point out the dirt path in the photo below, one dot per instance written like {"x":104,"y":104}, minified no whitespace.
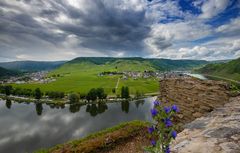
{"x":117,"y":83}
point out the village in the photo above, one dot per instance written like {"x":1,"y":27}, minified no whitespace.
{"x":146,"y":74}
{"x":35,"y":77}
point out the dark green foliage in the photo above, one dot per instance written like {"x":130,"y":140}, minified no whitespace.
{"x":6,"y":73}
{"x":101,"y":94}
{"x":92,"y":95}
{"x":8,"y":89}
{"x":230,"y":69}
{"x":95,"y":94}
{"x":38,"y":93}
{"x":125,"y":92}
{"x":83,"y":96}
{"x":55,"y":94}
{"x":30,"y":66}
{"x":74,"y":98}
{"x":22,"y":92}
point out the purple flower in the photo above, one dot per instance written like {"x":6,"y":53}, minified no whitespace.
{"x":156,"y":103}
{"x":167,"y":109}
{"x":174,"y":134}
{"x":175,"y":108}
{"x":151,"y":129}
{"x":154,"y":112}
{"x":153,"y":142}
{"x":168,"y":122}
{"x":167,"y":149}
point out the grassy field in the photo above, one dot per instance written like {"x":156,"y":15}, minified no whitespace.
{"x":81,"y":77}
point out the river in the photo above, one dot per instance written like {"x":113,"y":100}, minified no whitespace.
{"x":28,"y":127}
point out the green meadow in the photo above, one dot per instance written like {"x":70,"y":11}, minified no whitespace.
{"x":81,"y":77}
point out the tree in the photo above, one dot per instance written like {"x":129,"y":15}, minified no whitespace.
{"x":8,"y":90}
{"x":100,"y":93}
{"x":92,"y":94}
{"x":38,"y":93}
{"x":74,"y":98}
{"x":125,"y":92}
{"x":83,"y":96}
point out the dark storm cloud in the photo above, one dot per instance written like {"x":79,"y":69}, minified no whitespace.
{"x":100,"y":26}
{"x":108,"y":28}
{"x":60,"y":28}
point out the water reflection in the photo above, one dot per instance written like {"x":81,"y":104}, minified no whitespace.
{"x":29,"y":127}
{"x":92,"y":109}
{"x":8,"y":103}
{"x":125,"y":106}
{"x":139,"y":102}
{"x":95,"y":109}
{"x":39,"y":108}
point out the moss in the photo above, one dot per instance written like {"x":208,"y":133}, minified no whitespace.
{"x":100,"y":140}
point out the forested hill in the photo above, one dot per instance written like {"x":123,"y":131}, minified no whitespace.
{"x":5,"y":73}
{"x":31,"y":66}
{"x":159,"y":64}
{"x":229,"y":70}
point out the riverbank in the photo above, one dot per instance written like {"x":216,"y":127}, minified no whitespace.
{"x":105,"y":140}
{"x":65,"y":101}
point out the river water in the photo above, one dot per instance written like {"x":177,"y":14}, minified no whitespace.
{"x":28,"y":127}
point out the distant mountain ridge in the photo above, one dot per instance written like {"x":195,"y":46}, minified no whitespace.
{"x":133,"y":62}
{"x":5,"y":73}
{"x":229,"y":69}
{"x":31,"y":66}
{"x":159,"y":64}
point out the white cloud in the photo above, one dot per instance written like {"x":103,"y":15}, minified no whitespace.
{"x":56,"y":30}
{"x":233,"y":26}
{"x":212,"y":8}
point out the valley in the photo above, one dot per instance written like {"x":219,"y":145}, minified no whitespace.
{"x":82,"y":74}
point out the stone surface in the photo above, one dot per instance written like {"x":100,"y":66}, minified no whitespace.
{"x":193,"y":96}
{"x":217,"y":132}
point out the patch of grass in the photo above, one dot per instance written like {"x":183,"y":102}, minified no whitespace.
{"x":100,"y":140}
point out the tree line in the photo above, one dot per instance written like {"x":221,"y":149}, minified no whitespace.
{"x":93,"y":94}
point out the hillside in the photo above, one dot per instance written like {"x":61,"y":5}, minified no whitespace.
{"x":158,"y":64}
{"x":5,"y":73}
{"x":229,"y":70}
{"x":83,"y":73}
{"x":31,"y":66}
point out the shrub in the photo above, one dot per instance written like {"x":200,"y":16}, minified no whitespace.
{"x":162,"y":130}
{"x":55,"y":94}
{"x":74,"y":98}
{"x":92,"y":95}
{"x":38,"y":93}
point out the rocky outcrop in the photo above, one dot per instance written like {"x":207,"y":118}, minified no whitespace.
{"x":194,"y":97}
{"x":218,"y":132}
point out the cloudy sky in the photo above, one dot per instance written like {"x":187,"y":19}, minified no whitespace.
{"x":65,"y":29}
